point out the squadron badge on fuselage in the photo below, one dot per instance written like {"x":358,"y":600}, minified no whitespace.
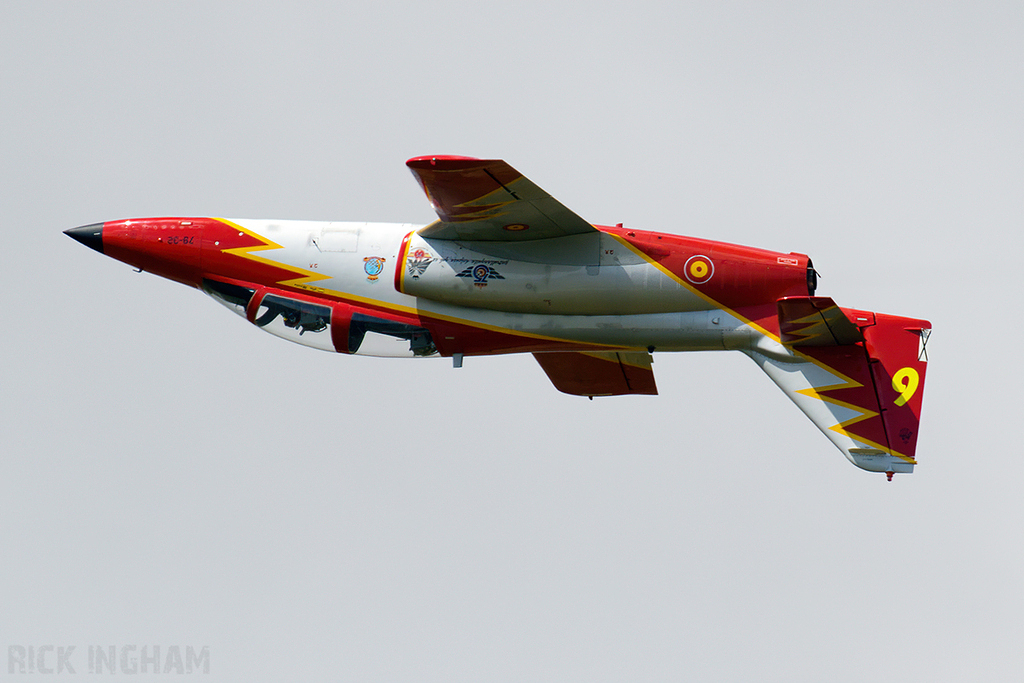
{"x":481,"y":273}
{"x":418,"y":261}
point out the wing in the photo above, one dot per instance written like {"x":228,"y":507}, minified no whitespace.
{"x":487,"y":200}
{"x":599,"y":374}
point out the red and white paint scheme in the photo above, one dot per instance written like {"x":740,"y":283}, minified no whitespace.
{"x":508,"y":269}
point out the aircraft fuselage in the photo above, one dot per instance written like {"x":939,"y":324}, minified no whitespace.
{"x":617,"y":288}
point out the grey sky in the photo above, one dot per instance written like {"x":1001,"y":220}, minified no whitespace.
{"x":172,"y":476}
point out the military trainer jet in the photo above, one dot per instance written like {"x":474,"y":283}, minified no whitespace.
{"x":508,"y":269}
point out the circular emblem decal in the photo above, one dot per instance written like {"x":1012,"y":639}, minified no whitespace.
{"x":373,"y":265}
{"x":516,"y":227}
{"x":698,"y":269}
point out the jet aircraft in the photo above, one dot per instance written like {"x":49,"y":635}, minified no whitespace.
{"x":506,"y":268}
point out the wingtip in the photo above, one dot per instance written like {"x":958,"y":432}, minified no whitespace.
{"x":433,"y":159}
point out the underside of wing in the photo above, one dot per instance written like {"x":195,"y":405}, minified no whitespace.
{"x":487,"y":200}
{"x":599,"y":374}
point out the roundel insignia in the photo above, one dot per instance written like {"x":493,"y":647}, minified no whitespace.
{"x":698,"y":269}
{"x":516,"y":227}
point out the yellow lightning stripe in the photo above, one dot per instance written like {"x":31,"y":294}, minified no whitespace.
{"x":305,"y":276}
{"x":815,"y":392}
{"x":493,"y":200}
{"x":865,"y":413}
{"x":488,"y":206}
{"x":485,"y":212}
{"x":813,"y":326}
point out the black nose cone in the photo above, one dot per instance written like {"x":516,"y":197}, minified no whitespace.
{"x":89,"y":235}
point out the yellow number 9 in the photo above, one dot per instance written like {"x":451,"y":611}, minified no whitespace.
{"x":905,"y":381}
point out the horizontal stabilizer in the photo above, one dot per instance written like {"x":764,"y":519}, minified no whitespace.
{"x":487,"y":200}
{"x":816,"y":321}
{"x":599,"y":374}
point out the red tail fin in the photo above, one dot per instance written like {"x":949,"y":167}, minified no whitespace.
{"x":859,"y":376}
{"x":898,"y":358}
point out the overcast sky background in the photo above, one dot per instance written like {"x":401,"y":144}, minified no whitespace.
{"x":172,"y":476}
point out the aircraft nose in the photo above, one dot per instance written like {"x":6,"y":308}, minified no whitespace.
{"x":89,"y":235}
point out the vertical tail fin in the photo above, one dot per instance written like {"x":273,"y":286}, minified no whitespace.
{"x":865,"y":395}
